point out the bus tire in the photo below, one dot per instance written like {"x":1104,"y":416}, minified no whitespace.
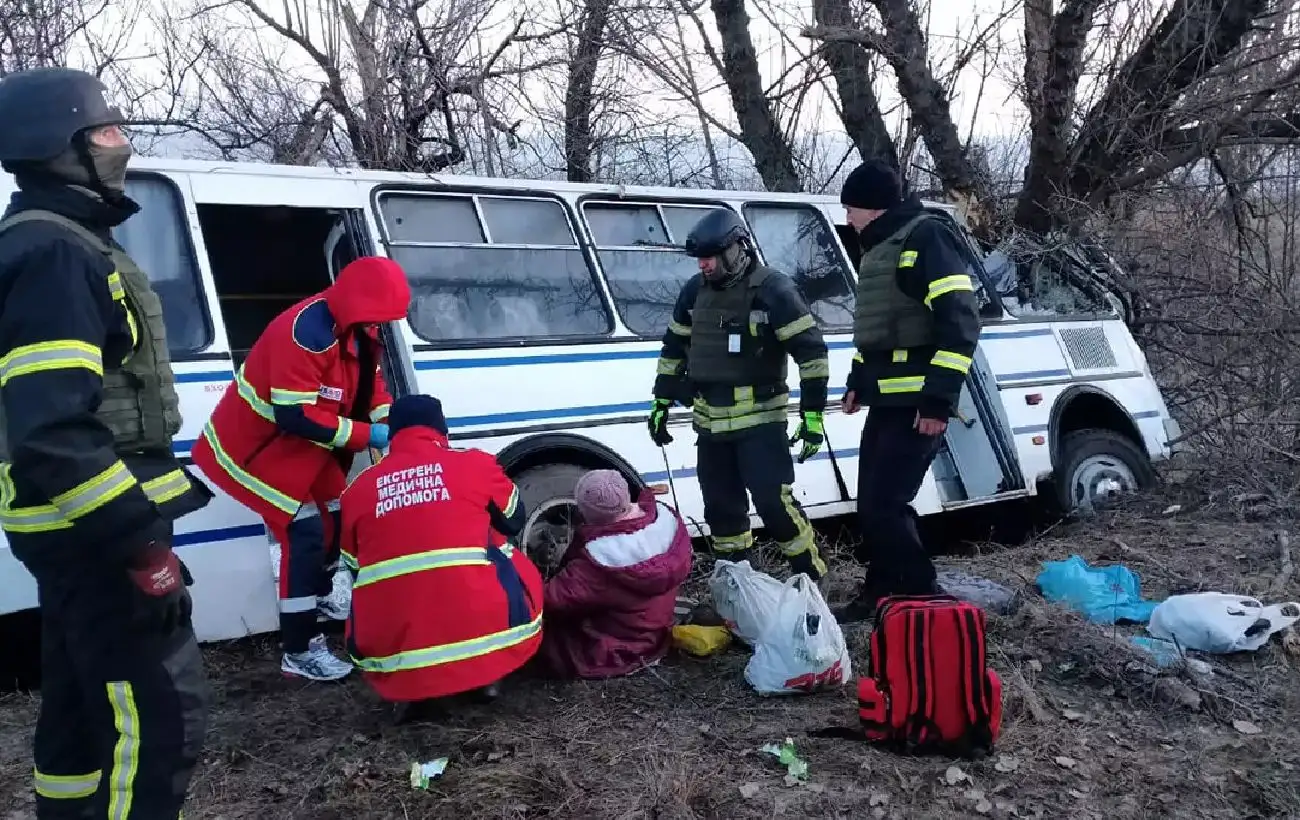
{"x":547,"y":493}
{"x":1098,"y":466}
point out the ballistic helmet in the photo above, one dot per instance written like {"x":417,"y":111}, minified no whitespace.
{"x":717,"y":231}
{"x":42,"y":109}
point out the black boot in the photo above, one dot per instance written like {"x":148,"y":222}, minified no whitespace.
{"x":418,"y":711}
{"x":488,"y":693}
{"x":863,"y":606}
{"x":803,"y":562}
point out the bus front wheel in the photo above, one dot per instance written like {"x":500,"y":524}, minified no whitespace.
{"x":1096,"y":467}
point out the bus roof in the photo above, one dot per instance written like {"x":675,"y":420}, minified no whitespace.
{"x":263,"y":169}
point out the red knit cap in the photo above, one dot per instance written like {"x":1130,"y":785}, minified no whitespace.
{"x":602,"y":496}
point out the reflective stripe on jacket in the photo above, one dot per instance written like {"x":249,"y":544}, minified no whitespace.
{"x":309,"y":359}
{"x":441,"y":603}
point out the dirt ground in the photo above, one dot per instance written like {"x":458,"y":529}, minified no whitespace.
{"x":1090,"y":729}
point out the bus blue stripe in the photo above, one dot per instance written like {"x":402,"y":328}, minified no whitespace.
{"x":206,"y":376}
{"x":186,"y":539}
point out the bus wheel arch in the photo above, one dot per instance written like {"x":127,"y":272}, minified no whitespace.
{"x":1097,"y":452}
{"x":546,"y":469}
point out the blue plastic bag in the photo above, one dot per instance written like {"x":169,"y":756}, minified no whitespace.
{"x":1103,"y":595}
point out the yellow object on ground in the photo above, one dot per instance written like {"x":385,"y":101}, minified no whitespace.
{"x":701,"y":640}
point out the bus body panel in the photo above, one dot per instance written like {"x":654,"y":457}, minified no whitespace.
{"x":499,"y":392}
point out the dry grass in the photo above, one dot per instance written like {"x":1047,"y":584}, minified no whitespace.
{"x":1091,"y":730}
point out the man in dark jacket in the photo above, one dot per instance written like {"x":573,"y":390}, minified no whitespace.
{"x":915,"y":328}
{"x":89,"y":487}
{"x":725,"y":351}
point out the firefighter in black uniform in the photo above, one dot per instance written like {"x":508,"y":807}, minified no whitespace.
{"x":89,"y":487}
{"x":725,"y":353}
{"x":915,"y":327}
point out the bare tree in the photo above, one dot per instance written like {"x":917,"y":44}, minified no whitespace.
{"x":579,"y":100}
{"x":855,"y":77}
{"x":1168,"y":93}
{"x":395,"y":83}
{"x":759,"y":128}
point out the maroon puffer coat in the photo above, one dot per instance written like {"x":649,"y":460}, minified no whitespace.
{"x":609,"y":610}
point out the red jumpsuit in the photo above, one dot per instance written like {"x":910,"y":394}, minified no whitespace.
{"x":302,"y":403}
{"x":441,"y":603}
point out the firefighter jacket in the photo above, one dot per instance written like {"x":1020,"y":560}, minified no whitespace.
{"x":304,"y":399}
{"x":89,"y":399}
{"x":725,"y":352}
{"x":916,"y":322}
{"x":441,"y":603}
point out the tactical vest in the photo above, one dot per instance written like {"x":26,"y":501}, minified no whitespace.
{"x":885,"y":318}
{"x":720,"y":315}
{"x":139,"y":404}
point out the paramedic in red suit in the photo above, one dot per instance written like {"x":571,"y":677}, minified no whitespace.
{"x":442,"y":603}
{"x":309,"y":395}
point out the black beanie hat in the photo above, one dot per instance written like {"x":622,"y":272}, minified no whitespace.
{"x":417,"y":410}
{"x":873,"y":185}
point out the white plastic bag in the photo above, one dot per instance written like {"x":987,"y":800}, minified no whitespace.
{"x":800,"y":648}
{"x":1219,"y":622}
{"x":744,"y":597}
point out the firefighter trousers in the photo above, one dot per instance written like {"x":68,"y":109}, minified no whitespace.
{"x":892,"y":462}
{"x":758,"y":462}
{"x":309,"y":549}
{"x":123,"y":704}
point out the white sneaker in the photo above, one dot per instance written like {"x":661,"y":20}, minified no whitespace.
{"x":317,"y":663}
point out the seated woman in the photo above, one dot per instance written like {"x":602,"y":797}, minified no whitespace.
{"x":609,"y":610}
{"x":441,"y":602}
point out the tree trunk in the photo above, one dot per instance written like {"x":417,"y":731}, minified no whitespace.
{"x":928,"y":103}
{"x":578,"y":97}
{"x":759,"y":130}
{"x":851,"y":66}
{"x":1054,"y":53}
{"x":1193,"y":39}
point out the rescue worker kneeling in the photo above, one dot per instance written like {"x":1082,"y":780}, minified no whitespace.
{"x":441,"y":602}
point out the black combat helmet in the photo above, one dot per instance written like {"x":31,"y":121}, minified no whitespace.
{"x":43,"y":108}
{"x":715,"y":233}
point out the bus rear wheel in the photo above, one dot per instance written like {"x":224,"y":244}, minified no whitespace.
{"x":1097,"y":467}
{"x":547,"y":493}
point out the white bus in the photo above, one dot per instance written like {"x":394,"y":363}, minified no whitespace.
{"x":537,"y":312}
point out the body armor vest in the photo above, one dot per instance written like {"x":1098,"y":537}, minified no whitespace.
{"x":725,"y":319}
{"x":139,"y":404}
{"x":886,"y":318}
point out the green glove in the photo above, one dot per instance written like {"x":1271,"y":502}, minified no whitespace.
{"x":811,"y":431}
{"x":659,"y":421}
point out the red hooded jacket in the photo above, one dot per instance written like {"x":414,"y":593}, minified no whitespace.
{"x":609,"y":610}
{"x":441,"y":603}
{"x":306,"y":369}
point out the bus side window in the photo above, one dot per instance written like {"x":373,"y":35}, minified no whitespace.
{"x":492,"y":267}
{"x":157,"y":238}
{"x":639,"y":246}
{"x":798,"y":241}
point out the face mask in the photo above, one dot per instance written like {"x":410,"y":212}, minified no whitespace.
{"x":110,"y":165}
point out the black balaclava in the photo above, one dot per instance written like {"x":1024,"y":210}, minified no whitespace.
{"x":99,"y":169}
{"x":733,"y":263}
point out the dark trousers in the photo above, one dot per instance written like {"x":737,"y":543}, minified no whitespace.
{"x":309,"y":548}
{"x":755,"y":463}
{"x":123,"y":704}
{"x":892,"y":464}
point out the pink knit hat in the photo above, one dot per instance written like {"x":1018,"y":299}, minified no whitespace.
{"x":602,"y":496}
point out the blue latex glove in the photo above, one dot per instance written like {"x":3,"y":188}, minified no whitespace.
{"x":379,"y":436}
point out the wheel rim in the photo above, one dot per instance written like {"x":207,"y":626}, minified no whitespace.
{"x":1100,"y":480}
{"x":548,"y":531}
